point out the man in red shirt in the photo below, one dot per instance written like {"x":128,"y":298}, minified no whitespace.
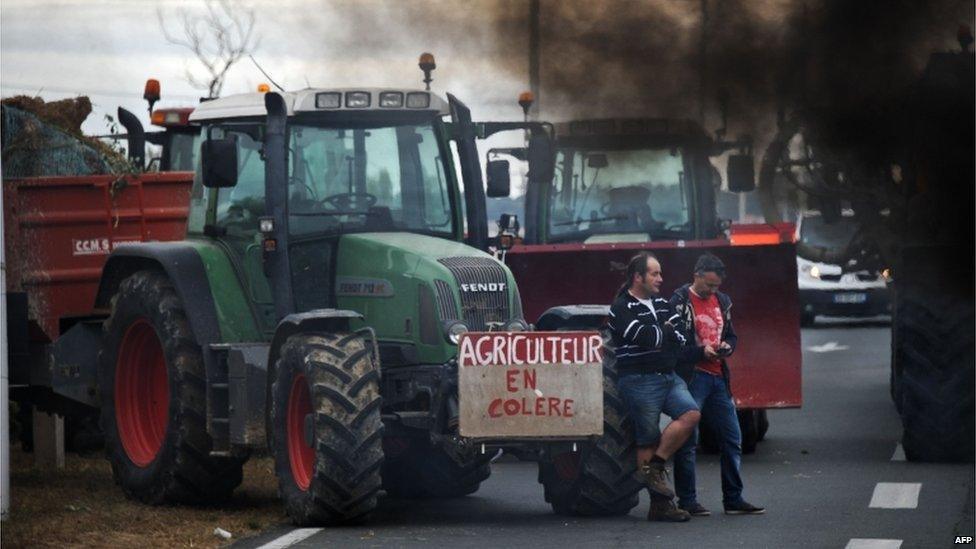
{"x":706,"y":324}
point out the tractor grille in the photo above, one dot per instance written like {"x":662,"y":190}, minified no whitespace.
{"x":478,"y":305}
{"x":446,"y":306}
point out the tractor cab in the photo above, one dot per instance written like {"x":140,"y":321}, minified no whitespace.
{"x":351,"y":199}
{"x":179,"y":140}
{"x":629,"y":180}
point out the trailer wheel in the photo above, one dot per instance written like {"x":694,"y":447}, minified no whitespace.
{"x":327,"y":431}
{"x":425,"y":471}
{"x":601,"y":478}
{"x":152,"y":383}
{"x":934,"y":353}
{"x":763,"y":423}
{"x":749,"y":425}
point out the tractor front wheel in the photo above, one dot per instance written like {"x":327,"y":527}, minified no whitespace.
{"x":600,"y":478}
{"x":327,"y":434}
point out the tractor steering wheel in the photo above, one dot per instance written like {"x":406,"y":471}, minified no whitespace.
{"x":350,"y":202}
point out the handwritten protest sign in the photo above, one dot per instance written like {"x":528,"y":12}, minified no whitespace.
{"x":530,"y":384}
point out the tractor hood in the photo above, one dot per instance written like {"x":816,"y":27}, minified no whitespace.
{"x":408,"y":286}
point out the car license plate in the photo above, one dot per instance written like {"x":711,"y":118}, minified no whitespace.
{"x":858,"y":297}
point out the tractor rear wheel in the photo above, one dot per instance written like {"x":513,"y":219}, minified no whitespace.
{"x":152,"y":382}
{"x":933,"y":349}
{"x":601,"y":478}
{"x":425,"y":471}
{"x":327,"y":431}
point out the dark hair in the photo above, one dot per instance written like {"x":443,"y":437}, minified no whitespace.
{"x":636,"y":265}
{"x":708,"y":263}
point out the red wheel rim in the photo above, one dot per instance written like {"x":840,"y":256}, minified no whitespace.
{"x":141,"y":393}
{"x":567,"y":465}
{"x":300,"y":453}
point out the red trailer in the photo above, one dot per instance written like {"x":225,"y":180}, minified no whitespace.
{"x":60,"y":230}
{"x":766,"y":367}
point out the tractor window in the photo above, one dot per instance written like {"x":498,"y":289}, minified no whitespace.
{"x":240,"y":206}
{"x":619,"y":191}
{"x":368,"y":179}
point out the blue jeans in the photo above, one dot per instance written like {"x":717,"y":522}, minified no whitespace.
{"x":647,"y":395}
{"x":718,"y":413}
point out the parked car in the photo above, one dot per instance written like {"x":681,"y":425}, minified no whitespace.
{"x":825,"y":289}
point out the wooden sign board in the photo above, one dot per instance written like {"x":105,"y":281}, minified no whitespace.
{"x":530,"y":384}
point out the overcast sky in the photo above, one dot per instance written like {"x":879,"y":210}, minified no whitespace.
{"x":106,"y":49}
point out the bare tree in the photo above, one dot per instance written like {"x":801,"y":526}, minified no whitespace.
{"x":218,"y":39}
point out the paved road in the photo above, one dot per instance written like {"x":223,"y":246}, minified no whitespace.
{"x":818,"y":473}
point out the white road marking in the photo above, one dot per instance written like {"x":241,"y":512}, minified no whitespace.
{"x":899,"y":454}
{"x":866,"y":543}
{"x":291,"y":538}
{"x":828,"y":347}
{"x":896,"y":495}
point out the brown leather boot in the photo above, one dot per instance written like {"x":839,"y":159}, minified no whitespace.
{"x":656,"y":477}
{"x":664,"y":510}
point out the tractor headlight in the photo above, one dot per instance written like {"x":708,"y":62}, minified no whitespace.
{"x":328,"y":100}
{"x":453,"y":330}
{"x":516,"y":325}
{"x":418,"y":100}
{"x":391,"y":100}
{"x":357,"y":100}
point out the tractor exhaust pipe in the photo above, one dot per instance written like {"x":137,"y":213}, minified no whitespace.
{"x":136,"y":138}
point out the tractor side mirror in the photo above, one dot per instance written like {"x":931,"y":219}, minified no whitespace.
{"x":597,"y":160}
{"x":741,"y":173}
{"x":219,"y":159}
{"x":542,"y":161}
{"x":499,"y":182}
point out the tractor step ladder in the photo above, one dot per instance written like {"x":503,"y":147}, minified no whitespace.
{"x":218,"y":400}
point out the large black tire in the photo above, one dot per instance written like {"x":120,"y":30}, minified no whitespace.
{"x":749,"y":425}
{"x":601,"y":478}
{"x":424,"y":471}
{"x":327,"y":386}
{"x":895,"y":378}
{"x":763,"y":422}
{"x":153,"y":392}
{"x":933,"y":349}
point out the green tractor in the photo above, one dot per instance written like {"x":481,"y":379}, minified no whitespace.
{"x":327,"y":235}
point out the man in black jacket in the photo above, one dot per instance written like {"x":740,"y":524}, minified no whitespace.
{"x":706,"y":324}
{"x":646,"y":348}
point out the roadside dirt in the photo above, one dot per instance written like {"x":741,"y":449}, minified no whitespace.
{"x":82,"y":507}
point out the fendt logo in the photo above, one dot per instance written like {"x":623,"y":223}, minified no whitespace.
{"x":484,"y":287}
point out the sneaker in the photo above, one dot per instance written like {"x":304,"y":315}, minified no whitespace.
{"x":743,"y":508}
{"x":664,"y":510}
{"x":697,"y":510}
{"x":656,"y":477}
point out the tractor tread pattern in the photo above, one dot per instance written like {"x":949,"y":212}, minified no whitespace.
{"x":934,"y":350}
{"x":608,"y":483}
{"x":184,"y":471}
{"x":344,"y":388}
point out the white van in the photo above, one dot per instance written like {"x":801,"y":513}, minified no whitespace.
{"x":824,"y":288}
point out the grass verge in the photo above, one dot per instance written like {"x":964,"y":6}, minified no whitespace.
{"x":82,"y":507}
